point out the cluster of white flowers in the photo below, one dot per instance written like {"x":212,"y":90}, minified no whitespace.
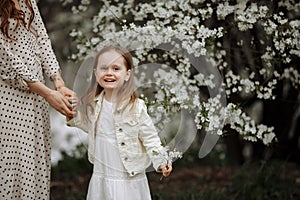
{"x":214,"y":115}
{"x":161,"y":29}
{"x":247,"y":127}
{"x":210,"y":116}
{"x":247,"y":16}
{"x":224,"y":9}
{"x":290,"y":5}
{"x":166,"y":155}
{"x":203,"y":80}
{"x":173,"y":93}
{"x":144,"y":27}
{"x":246,"y":86}
{"x":286,"y":40}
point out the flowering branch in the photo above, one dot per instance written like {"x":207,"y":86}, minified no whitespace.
{"x":220,"y":31}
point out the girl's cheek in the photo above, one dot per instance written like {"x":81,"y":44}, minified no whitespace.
{"x":98,"y":78}
{"x":100,"y":82}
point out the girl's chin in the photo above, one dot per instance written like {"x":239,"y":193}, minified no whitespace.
{"x":110,"y":88}
{"x":109,"y":85}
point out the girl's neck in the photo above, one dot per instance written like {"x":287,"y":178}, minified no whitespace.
{"x":109,"y":97}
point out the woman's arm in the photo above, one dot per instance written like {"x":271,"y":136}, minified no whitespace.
{"x":57,"y":80}
{"x":59,"y":85}
{"x":48,"y":59}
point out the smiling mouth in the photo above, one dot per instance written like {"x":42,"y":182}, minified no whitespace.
{"x":109,"y":80}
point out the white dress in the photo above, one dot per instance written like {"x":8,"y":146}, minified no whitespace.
{"x":109,"y":180}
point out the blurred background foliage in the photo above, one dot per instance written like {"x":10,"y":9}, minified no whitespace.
{"x":235,"y":169}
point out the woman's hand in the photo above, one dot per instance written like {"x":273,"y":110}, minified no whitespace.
{"x":55,"y":98}
{"x":60,"y":103}
{"x":59,"y":85}
{"x":66,"y":92}
{"x":72,"y":98}
{"x":165,"y":170}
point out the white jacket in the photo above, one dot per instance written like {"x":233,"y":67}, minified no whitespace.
{"x":136,"y":135}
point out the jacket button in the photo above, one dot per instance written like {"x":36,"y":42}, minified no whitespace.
{"x":132,"y":173}
{"x":120,"y":129}
{"x":123,"y":143}
{"x":125,"y":158}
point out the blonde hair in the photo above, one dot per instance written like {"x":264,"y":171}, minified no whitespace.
{"x":127,"y":90}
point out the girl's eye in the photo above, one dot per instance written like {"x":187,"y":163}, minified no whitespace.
{"x":103,"y":69}
{"x":116,"y":68}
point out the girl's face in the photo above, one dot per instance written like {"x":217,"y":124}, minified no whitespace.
{"x":111,"y":71}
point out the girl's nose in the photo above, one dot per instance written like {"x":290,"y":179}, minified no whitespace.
{"x":109,"y":71}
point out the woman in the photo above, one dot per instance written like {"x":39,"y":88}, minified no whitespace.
{"x":25,"y":55}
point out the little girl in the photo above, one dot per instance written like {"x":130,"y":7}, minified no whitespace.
{"x":122,"y":138}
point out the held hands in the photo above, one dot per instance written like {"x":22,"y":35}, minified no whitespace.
{"x":72,"y":100}
{"x":67,"y":99}
{"x":63,"y":100}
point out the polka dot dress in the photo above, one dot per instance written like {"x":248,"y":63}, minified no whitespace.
{"x":24,"y":117}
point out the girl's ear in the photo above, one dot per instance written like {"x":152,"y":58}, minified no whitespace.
{"x":128,"y":74}
{"x":96,"y":74}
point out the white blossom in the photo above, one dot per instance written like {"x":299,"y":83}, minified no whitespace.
{"x":180,"y":24}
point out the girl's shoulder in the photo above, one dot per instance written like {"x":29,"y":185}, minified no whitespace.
{"x":140,"y":103}
{"x":137,"y":106}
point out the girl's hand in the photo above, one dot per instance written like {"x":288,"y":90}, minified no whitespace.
{"x":165,"y":170}
{"x":73,"y":105}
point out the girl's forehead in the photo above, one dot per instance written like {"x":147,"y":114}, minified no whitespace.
{"x":110,"y":57}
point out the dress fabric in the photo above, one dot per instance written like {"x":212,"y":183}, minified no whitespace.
{"x":24,"y":118}
{"x":109,"y":180}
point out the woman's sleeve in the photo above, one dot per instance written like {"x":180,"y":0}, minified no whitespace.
{"x":150,"y":139}
{"x":12,"y":69}
{"x":49,"y":62}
